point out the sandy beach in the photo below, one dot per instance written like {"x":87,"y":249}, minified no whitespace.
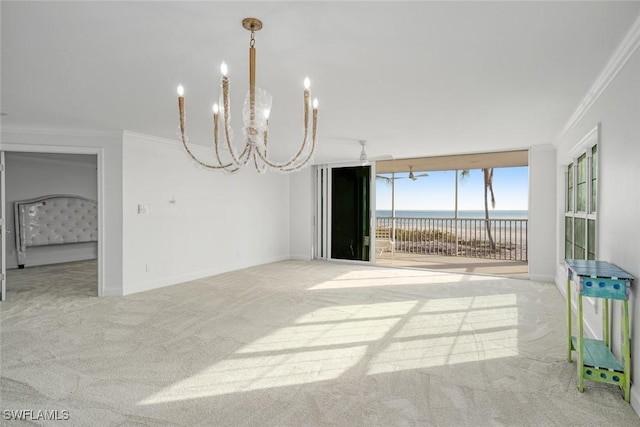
{"x":437,"y":236}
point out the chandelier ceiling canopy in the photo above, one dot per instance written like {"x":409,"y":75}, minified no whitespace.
{"x":255,"y":119}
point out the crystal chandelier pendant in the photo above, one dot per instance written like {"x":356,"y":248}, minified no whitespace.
{"x":255,"y":118}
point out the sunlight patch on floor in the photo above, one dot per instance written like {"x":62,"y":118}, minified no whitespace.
{"x":465,"y":303}
{"x":325,"y":343}
{"x":327,"y":334}
{"x":446,"y":350}
{"x":262,"y":372}
{"x":457,"y":322}
{"x":360,"y":279}
{"x":359,"y":311}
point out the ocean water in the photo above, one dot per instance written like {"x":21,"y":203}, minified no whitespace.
{"x":463,"y":214}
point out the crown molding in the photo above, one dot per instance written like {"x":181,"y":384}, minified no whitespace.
{"x":620,"y":56}
{"x":150,"y":138}
{"x":175,"y":144}
{"x":542,"y":147}
{"x":11,"y":130}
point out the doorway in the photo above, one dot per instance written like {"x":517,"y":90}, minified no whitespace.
{"x":30,"y":175}
{"x":344,"y":212}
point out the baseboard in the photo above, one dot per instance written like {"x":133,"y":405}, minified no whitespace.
{"x":635,"y":399}
{"x":300,"y":258}
{"x":189,"y":277}
{"x":542,"y":278}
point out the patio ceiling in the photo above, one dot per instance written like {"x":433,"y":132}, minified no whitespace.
{"x":462,"y":161}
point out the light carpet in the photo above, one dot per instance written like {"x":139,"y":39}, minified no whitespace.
{"x":296,"y":344}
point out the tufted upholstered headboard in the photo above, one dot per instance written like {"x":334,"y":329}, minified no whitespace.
{"x":54,"y":220}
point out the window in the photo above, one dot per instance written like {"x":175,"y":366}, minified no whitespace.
{"x":581,"y":193}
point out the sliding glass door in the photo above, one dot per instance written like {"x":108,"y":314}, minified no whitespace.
{"x":344,"y":211}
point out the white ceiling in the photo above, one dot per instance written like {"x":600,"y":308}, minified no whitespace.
{"x":412,"y":78}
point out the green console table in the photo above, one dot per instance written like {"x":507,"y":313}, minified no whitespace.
{"x":596,"y":362}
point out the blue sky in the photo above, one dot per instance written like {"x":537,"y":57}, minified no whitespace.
{"x":437,"y":191}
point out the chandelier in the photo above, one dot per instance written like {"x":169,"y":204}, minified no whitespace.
{"x":255,"y":117}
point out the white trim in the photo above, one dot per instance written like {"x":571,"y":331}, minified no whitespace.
{"x":170,"y":143}
{"x":62,"y":132}
{"x":299,"y":258}
{"x":56,"y":149}
{"x":541,"y":147}
{"x":591,"y":138}
{"x":134,"y":288}
{"x":70,"y":149}
{"x":156,"y":139}
{"x":620,"y":56}
{"x":3,"y":233}
{"x":635,"y":399}
{"x":547,"y":278}
{"x":101,"y":220}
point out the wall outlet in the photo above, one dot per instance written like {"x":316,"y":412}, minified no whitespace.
{"x":143,"y":209}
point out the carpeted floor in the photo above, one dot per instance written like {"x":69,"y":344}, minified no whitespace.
{"x":296,"y":343}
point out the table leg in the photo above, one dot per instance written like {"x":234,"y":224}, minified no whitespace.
{"x":569,"y":320}
{"x":605,"y":323}
{"x":626,"y":351}
{"x":580,"y":348}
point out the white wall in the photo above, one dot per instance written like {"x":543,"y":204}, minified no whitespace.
{"x":108,"y":147}
{"x":218,"y":222}
{"x":542,"y":213}
{"x":302,"y":200}
{"x":617,"y":110}
{"x":35,"y":175}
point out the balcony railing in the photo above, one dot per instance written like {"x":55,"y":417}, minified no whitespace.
{"x":453,"y":237}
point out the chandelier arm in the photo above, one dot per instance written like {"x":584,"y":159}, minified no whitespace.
{"x":306,"y":129}
{"x":314,"y":135}
{"x":216,"y":144}
{"x":291,"y":162}
{"x":288,"y":166}
{"x":236,"y":160}
{"x":260,"y":164}
{"x":259,"y":167}
{"x":183,"y":117}
{"x":200,"y":162}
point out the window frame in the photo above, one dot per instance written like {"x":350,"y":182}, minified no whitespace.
{"x":584,"y":149}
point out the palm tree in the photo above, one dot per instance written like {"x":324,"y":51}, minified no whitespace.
{"x":488,"y":190}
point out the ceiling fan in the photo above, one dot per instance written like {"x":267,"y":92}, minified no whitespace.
{"x":413,"y":177}
{"x":363,"y":153}
{"x":364,"y":157}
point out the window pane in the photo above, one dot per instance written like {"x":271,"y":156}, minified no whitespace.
{"x":570,"y":188}
{"x":580,"y":242}
{"x":582,"y":183}
{"x":591,"y":239}
{"x":568,"y":238}
{"x":594,"y":178}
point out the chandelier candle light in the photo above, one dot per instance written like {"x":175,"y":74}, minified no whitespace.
{"x":257,"y":107}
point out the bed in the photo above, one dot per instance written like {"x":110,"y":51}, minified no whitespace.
{"x":54,"y":220}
